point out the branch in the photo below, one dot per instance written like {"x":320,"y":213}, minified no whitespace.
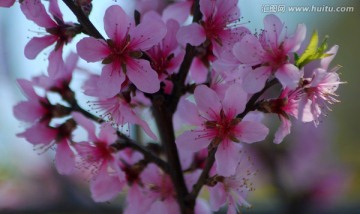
{"x":209,"y":162}
{"x":83,"y":20}
{"x":252,"y":105}
{"x":126,"y":142}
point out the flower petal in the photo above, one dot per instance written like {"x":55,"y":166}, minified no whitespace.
{"x":283,"y":130}
{"x":193,"y":34}
{"x":178,"y":11}
{"x":273,"y":28}
{"x":105,"y":187}
{"x":39,"y":134}
{"x":64,"y":158}
{"x":227,"y":158}
{"x":116,"y":23}
{"x":87,"y":124}
{"x":288,"y":75}
{"x":192,"y":141}
{"x":235,"y":100}
{"x":255,"y":80}
{"x":37,"y":44}
{"x":6,"y":3}
{"x":92,"y":50}
{"x":35,"y":11}
{"x":249,"y":50}
{"x":207,"y":101}
{"x":21,"y":111}
{"x":56,"y":64}
{"x":110,"y":81}
{"x":251,"y":131}
{"x":144,"y":36}
{"x":143,"y":76}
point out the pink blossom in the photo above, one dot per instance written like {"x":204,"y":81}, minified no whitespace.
{"x":60,"y":32}
{"x":217,"y":25}
{"x":160,"y":191}
{"x":97,"y":155}
{"x":233,"y":190}
{"x":121,"y":53}
{"x":220,"y":127}
{"x":319,"y":93}
{"x":270,"y":55}
{"x":285,"y":106}
{"x":59,"y":76}
{"x":166,"y":56}
{"x":120,"y":112}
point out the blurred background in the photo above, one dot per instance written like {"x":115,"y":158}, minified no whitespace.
{"x":317,"y":170}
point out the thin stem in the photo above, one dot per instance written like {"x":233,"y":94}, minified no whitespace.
{"x":209,"y":162}
{"x":252,"y":105}
{"x":88,"y":27}
{"x":125,"y":142}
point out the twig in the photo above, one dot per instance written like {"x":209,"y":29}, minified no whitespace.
{"x":83,"y":20}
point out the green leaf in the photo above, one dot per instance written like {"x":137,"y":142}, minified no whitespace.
{"x":310,"y":50}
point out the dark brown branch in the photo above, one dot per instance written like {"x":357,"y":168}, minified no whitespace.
{"x":126,"y":142}
{"x":86,"y":24}
{"x":163,"y":118}
{"x":252,"y":105}
{"x":209,"y":162}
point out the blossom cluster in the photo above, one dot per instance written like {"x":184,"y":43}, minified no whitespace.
{"x":205,"y":81}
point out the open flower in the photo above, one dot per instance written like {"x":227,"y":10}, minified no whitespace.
{"x":269,"y":54}
{"x":121,"y":53}
{"x":218,"y":125}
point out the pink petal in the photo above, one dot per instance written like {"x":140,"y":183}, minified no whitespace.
{"x":170,"y":43}
{"x":116,"y":23}
{"x":105,"y":187}
{"x":217,"y":196}
{"x":191,"y":141}
{"x":249,"y":50}
{"x":198,"y":71}
{"x":6,"y":3}
{"x":251,"y":131}
{"x":294,"y":42}
{"x":178,"y":11}
{"x":39,"y":134}
{"x":207,"y":101}
{"x":193,"y":34}
{"x":64,"y":158}
{"x":327,"y":60}
{"x":235,"y":100}
{"x":37,"y":44}
{"x":283,"y":130}
{"x":35,"y":11}
{"x":87,"y":124}
{"x":202,"y":206}
{"x":21,"y":111}
{"x":255,"y":80}
{"x":92,"y":50}
{"x":227,"y":158}
{"x":273,"y":27}
{"x":163,"y":206}
{"x":227,"y":8}
{"x":144,"y":36}
{"x":288,"y":75}
{"x":143,"y":76}
{"x":28,"y":88}
{"x":107,"y":133}
{"x":112,"y":77}
{"x":55,"y":10}
{"x":207,"y":8}
{"x":188,"y":112}
{"x":56,"y":64}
